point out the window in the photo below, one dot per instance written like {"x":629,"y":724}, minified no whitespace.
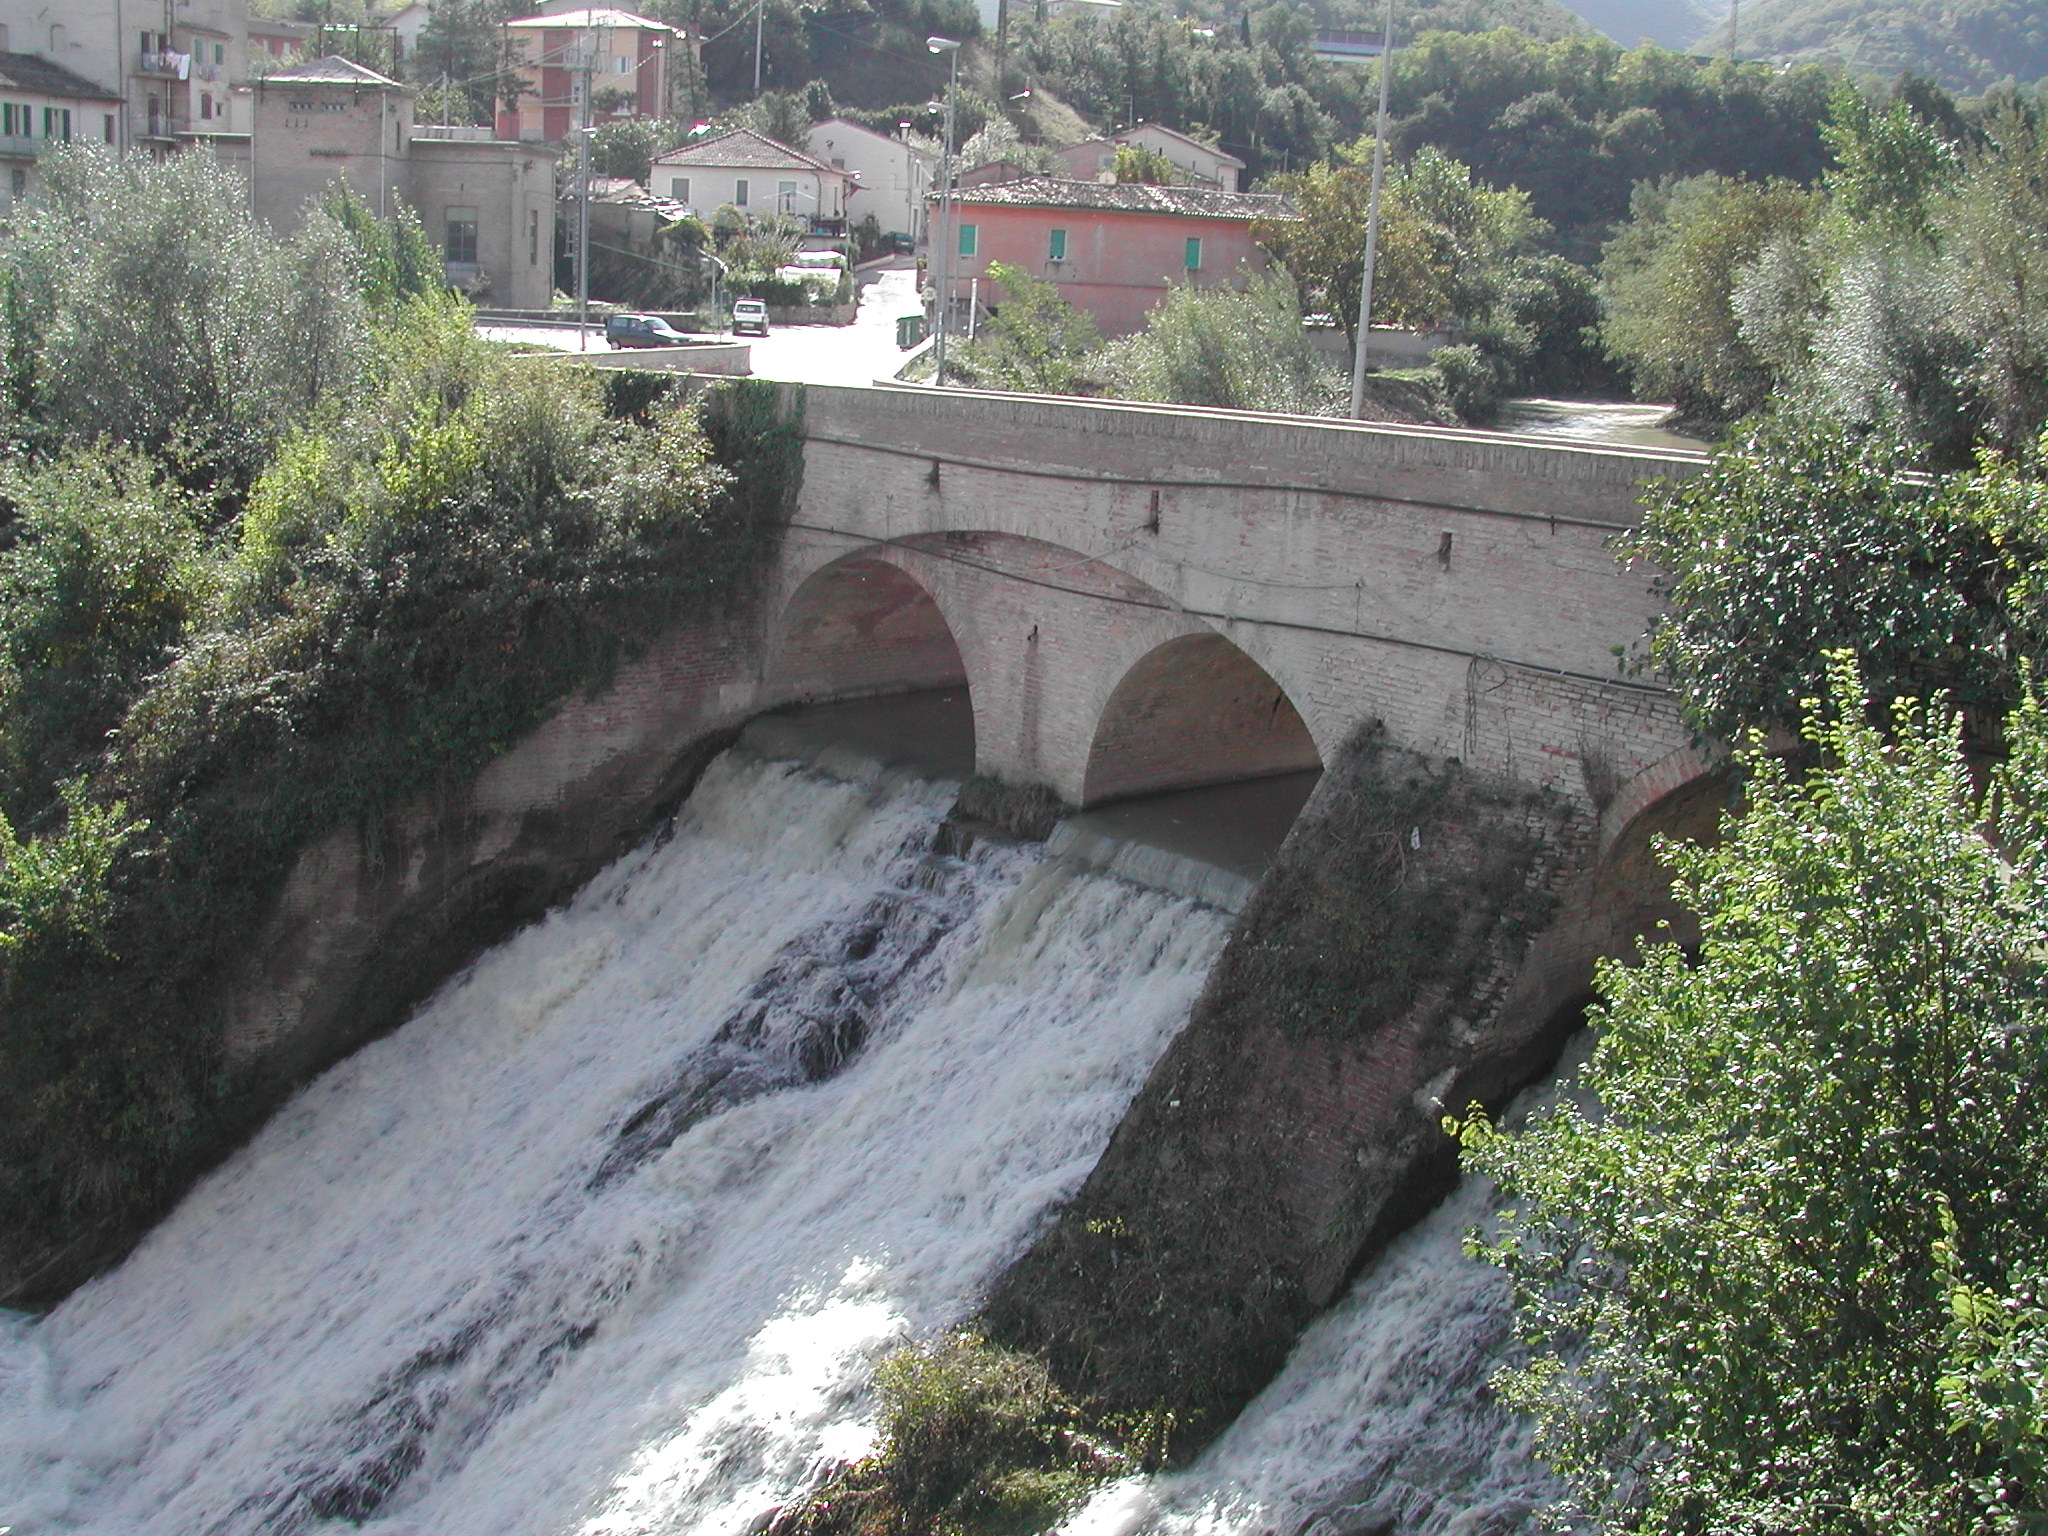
{"x":1056,"y":246}
{"x":220,"y":53}
{"x":107,"y":127}
{"x":57,"y":38}
{"x":785,"y":196}
{"x":679,"y":188}
{"x":739,"y":194}
{"x":1193,"y":258}
{"x":533,"y":237}
{"x":57,"y":123}
{"x":968,"y":239}
{"x":205,"y":106}
{"x":461,"y":242}
{"x":17,"y":181}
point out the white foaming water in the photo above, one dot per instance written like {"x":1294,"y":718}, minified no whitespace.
{"x":1381,"y":1421}
{"x":608,"y":1238}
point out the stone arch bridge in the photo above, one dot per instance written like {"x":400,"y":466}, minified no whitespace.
{"x":1136,"y":598}
{"x":1143,"y":598}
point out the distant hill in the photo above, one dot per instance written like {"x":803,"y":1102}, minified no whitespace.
{"x":1667,"y":23}
{"x":1542,"y":19}
{"x":1967,"y":45}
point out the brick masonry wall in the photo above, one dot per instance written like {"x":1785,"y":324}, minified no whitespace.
{"x":1459,"y":587}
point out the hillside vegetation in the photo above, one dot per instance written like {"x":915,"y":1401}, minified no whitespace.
{"x":1967,"y":45}
{"x":283,"y":544}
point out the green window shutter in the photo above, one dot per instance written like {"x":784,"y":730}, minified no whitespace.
{"x":1056,"y":248}
{"x":1194,"y":253}
{"x":967,"y":239}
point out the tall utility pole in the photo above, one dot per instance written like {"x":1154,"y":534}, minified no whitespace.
{"x":948,"y":237}
{"x":589,"y":62}
{"x":760,"y":13}
{"x":1372,"y":219}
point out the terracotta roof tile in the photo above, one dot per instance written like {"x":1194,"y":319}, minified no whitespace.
{"x":1128,"y":197}
{"x":754,"y":151}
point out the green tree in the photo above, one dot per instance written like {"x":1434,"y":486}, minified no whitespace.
{"x":1034,"y":341}
{"x":1726,"y":1261}
{"x":1791,"y":545}
{"x":1134,"y":162}
{"x":1671,"y":278}
{"x":1214,"y":347}
{"x":1931,"y":325}
{"x":144,"y":307}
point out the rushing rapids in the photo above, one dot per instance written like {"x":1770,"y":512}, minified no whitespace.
{"x":608,"y":1238}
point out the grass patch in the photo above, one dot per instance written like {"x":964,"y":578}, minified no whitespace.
{"x":976,"y":1441}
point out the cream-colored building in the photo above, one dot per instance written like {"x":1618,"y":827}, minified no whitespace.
{"x":487,"y":204}
{"x":1197,"y":164}
{"x":756,"y":174}
{"x":43,"y":105}
{"x":176,"y":67}
{"x":894,"y":176}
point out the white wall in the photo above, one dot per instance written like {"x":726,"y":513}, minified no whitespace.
{"x":893,"y":177}
{"x":711,"y":187}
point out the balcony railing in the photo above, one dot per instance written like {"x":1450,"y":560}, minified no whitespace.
{"x":172,"y":66}
{"x":19,"y":146}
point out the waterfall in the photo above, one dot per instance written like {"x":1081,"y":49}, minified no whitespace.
{"x":1382,"y":1422}
{"x":608,"y":1238}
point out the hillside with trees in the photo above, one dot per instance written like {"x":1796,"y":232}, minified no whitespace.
{"x":1967,"y":45}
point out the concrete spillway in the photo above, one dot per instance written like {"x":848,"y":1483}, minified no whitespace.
{"x":610,"y":1236}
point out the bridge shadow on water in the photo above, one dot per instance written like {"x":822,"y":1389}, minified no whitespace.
{"x":1214,"y":842}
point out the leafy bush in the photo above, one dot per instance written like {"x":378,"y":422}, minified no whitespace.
{"x":1034,"y":340}
{"x":1795,"y":544}
{"x":143,"y":306}
{"x":1218,"y":348}
{"x":1749,"y":1271}
{"x":396,"y":569}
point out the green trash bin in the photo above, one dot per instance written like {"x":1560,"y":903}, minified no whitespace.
{"x":910,"y":330}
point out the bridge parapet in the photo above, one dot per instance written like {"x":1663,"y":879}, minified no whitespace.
{"x":1458,"y":586}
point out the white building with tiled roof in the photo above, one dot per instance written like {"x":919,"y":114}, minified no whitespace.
{"x":756,"y":174}
{"x":43,"y":105}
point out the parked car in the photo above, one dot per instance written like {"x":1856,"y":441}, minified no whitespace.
{"x":643,"y":331}
{"x":749,"y":315}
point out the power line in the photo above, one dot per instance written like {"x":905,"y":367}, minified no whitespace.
{"x":1164,"y":605}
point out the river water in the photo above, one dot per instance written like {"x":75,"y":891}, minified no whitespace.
{"x":608,"y":1239}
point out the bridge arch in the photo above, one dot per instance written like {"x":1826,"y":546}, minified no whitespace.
{"x":1194,"y":710}
{"x":858,"y":627}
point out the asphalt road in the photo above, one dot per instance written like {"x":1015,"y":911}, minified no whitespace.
{"x":858,"y":353}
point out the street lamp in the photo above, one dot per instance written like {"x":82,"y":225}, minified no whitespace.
{"x":951,"y":48}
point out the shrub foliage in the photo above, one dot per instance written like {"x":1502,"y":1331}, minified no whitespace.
{"x":1761,"y":1274}
{"x":259,"y":611}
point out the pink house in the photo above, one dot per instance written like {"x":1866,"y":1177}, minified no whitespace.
{"x":1112,"y":247}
